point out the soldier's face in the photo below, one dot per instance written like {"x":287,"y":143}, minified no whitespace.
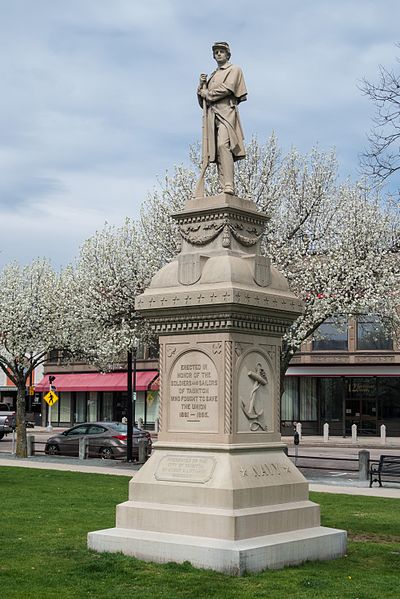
{"x":220,"y":55}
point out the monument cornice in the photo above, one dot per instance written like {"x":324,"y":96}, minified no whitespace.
{"x":230,"y":320}
{"x":196,"y":297}
{"x":221,"y":204}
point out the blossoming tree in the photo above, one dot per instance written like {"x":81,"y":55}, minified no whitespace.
{"x":335,"y":243}
{"x":33,"y":308}
{"x":113,"y":267}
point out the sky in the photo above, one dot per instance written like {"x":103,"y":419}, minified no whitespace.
{"x":98,"y":98}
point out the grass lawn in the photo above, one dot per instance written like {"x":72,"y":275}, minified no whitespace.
{"x":45,"y":516}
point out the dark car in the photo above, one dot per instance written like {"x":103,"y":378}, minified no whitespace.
{"x":106,"y":440}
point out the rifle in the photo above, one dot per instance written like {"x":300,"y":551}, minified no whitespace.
{"x":199,"y":191}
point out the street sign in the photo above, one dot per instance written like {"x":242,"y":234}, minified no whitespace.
{"x":50,"y":398}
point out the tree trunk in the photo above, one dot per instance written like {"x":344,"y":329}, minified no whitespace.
{"x":22,"y":451}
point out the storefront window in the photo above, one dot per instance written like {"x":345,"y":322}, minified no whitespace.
{"x":139,"y":405}
{"x":389,"y":397}
{"x":65,"y":407}
{"x":299,"y":401}
{"x":330,"y":392}
{"x":92,"y":407}
{"x":290,"y":399}
{"x":120,"y":406}
{"x":152,"y":406}
{"x":342,"y":401}
{"x":80,"y":406}
{"x":107,"y":411}
{"x":55,"y":411}
{"x":308,"y":399}
{"x":371,"y":334}
{"x":332,"y":335}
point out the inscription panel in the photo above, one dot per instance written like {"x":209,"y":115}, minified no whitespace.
{"x":185,"y":468}
{"x":193,"y":388}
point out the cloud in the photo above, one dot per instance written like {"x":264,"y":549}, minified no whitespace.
{"x":98,"y":98}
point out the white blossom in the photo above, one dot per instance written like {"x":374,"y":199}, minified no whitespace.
{"x":33,"y":317}
{"x":112,"y":269}
{"x":337,"y":244}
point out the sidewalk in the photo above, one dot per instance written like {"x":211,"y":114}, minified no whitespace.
{"x":117,"y":468}
{"x":361,"y":443}
{"x":306,"y":440}
{"x":388,"y":492}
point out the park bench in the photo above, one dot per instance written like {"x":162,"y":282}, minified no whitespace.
{"x":388,"y":465}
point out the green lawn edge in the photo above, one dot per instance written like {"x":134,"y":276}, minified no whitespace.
{"x":47,"y":515}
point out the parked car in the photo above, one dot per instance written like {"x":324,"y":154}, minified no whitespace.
{"x":7,"y":419}
{"x":106,"y":440}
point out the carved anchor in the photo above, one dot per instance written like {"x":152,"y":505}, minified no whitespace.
{"x":259,"y":378}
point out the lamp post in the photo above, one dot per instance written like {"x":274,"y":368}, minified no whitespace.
{"x":343,"y":407}
{"x":30,"y":384}
{"x":129,"y":408}
{"x":131,"y":411}
{"x":134,"y":387}
{"x":49,"y":427}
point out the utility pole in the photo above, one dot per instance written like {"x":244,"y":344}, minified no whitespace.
{"x":131,"y":389}
{"x":129,"y":413}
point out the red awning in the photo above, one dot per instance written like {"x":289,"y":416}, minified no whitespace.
{"x":97,"y":381}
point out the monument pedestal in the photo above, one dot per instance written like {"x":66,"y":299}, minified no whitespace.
{"x":219,"y":491}
{"x":231,"y":509}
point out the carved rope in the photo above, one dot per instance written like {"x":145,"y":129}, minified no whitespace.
{"x":160,"y":393}
{"x":228,"y":388}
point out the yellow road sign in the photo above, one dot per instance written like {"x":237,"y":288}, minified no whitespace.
{"x":51,"y":398}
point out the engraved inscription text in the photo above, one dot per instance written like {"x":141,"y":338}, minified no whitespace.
{"x":193,"y":390}
{"x":185,"y":468}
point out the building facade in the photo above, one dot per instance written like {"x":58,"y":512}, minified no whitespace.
{"x":350,"y":374}
{"x":87,"y":395}
{"x":8,"y":395}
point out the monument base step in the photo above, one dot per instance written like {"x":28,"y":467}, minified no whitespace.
{"x":231,"y":557}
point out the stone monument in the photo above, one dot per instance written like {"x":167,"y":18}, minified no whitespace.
{"x":219,"y":490}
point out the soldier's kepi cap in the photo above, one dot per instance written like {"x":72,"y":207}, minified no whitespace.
{"x":223,"y":45}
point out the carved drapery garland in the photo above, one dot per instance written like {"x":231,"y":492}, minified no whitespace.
{"x":200,"y":234}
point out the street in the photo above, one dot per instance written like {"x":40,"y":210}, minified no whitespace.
{"x":41,"y":435}
{"x":332,"y":463}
